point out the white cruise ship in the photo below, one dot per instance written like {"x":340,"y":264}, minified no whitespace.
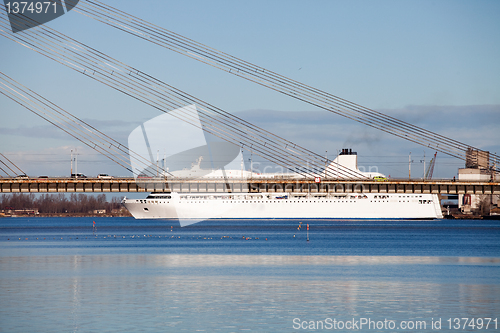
{"x":190,"y":208}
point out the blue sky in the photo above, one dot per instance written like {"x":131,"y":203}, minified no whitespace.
{"x":434,"y":63}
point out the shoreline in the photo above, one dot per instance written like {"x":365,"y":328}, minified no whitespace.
{"x":66,"y":215}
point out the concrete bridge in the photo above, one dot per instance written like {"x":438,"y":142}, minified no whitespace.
{"x":129,"y":184}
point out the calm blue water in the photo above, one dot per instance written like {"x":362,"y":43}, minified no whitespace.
{"x":56,"y":275}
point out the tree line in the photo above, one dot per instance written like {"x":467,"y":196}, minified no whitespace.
{"x":58,"y":203}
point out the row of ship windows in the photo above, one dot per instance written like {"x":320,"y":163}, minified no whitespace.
{"x":327,"y":201}
{"x":159,"y":197}
{"x":299,"y":201}
{"x":351,"y":197}
{"x":156,"y":201}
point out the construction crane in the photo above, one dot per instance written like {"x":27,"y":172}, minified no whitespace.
{"x":430,"y":169}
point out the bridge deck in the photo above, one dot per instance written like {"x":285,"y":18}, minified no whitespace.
{"x":55,"y":185}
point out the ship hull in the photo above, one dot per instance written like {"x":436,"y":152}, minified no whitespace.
{"x":285,"y":206}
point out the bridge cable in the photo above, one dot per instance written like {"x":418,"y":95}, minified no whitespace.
{"x":7,"y":166}
{"x":70,"y":124}
{"x":93,"y":57}
{"x":159,"y":36}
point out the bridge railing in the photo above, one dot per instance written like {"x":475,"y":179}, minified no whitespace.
{"x":129,"y":184}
